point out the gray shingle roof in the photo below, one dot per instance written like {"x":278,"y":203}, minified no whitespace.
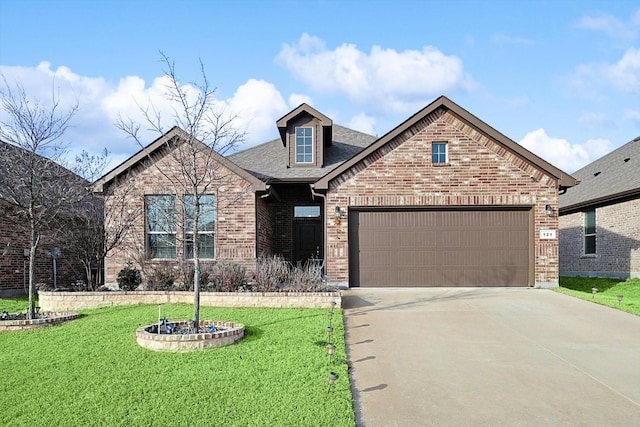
{"x":268,"y":161}
{"x":615,"y":174}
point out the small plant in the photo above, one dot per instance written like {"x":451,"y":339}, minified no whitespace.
{"x":162,"y":280}
{"x":271,"y":274}
{"x":226,"y":277}
{"x":129,"y":278}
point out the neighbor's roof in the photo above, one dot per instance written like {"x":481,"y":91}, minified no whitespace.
{"x":564,"y":179}
{"x":268,"y":161}
{"x":612,"y":177}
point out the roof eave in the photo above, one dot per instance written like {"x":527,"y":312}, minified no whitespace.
{"x":604,"y":200}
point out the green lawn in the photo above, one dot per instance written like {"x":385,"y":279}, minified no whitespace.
{"x":91,"y":372}
{"x":608,"y":290}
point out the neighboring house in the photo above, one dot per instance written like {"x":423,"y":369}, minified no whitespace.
{"x":600,"y":218}
{"x":441,"y":200}
{"x":15,"y":237}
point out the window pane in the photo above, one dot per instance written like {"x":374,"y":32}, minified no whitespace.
{"x":205,"y":246}
{"x":306,"y":211}
{"x":304,"y":145}
{"x":590,"y":222}
{"x":207,"y":221}
{"x":161,"y":214}
{"x":162,"y":245}
{"x":590,"y":244}
{"x":439,"y":152}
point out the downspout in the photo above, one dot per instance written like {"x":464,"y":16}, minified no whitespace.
{"x":324,"y":199}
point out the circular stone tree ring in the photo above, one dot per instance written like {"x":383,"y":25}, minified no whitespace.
{"x":225,"y":333}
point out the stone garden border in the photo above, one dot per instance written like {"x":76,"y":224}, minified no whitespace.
{"x":228,"y":334}
{"x":51,"y":319}
{"x":60,"y":301}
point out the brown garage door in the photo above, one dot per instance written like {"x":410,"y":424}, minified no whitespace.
{"x":440,"y":248}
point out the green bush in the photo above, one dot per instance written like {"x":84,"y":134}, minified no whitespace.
{"x":129,"y":278}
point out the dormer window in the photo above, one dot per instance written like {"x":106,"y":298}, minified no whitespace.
{"x":304,"y":145}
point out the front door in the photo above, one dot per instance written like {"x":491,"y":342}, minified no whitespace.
{"x":307,"y":241}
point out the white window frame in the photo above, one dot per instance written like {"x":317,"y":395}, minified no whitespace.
{"x":446,"y":152}
{"x":312,"y":147}
{"x":169,"y":233}
{"x":188,"y":232}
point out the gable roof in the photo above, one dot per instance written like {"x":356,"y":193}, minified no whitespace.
{"x":156,"y":145}
{"x":564,"y":179}
{"x":268,"y":161}
{"x":611,"y":177}
{"x":325,"y":122}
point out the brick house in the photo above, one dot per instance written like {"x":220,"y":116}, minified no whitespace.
{"x":600,"y":218}
{"x":14,"y":236}
{"x":441,"y":200}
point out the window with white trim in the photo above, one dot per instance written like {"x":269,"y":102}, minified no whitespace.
{"x":304,"y":145}
{"x":590,"y":232}
{"x":439,"y":153}
{"x":161,"y":226}
{"x":206,"y":226}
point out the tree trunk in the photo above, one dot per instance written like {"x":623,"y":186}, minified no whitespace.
{"x":196,"y":263}
{"x":32,"y":272}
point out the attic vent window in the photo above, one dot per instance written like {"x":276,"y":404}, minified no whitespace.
{"x":304,"y":145}
{"x":597,"y":173}
{"x":627,"y":159}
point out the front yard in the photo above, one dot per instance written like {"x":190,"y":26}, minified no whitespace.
{"x":92,"y":372}
{"x":607,"y":292}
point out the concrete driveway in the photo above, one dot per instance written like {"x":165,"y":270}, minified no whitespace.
{"x":490,"y":357}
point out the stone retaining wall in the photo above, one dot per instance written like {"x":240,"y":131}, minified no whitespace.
{"x":59,"y":301}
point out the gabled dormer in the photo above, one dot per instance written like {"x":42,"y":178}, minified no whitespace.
{"x":305,"y":132}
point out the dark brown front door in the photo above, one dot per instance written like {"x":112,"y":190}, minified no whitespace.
{"x":440,"y":247}
{"x":307,"y":240}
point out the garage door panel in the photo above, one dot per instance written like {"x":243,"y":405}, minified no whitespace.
{"x":441,"y":248}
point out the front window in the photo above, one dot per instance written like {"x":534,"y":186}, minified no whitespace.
{"x":439,"y":152}
{"x":590,"y":232}
{"x":304,"y":145}
{"x":206,"y":226}
{"x":306,"y":211}
{"x":161,"y":226}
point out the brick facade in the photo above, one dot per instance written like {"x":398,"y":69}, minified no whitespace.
{"x":235,"y":230}
{"x":14,"y":266}
{"x":480,"y":172}
{"x":617,"y":242}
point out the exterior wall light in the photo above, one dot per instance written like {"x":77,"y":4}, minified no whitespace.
{"x":337,"y":215}
{"x":550,"y":211}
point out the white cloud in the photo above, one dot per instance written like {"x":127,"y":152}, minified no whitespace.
{"x":624,"y":75}
{"x":363,"y":123}
{"x":257,"y":105}
{"x":561,"y":153}
{"x":295,"y":99}
{"x":398,"y":82}
{"x":611,"y":25}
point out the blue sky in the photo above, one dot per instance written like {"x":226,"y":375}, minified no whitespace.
{"x":560,"y":77}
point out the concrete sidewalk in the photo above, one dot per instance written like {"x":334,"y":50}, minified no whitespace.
{"x":490,"y":357}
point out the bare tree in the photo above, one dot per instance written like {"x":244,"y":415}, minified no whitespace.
{"x":96,"y":235}
{"x":208,"y":132}
{"x":40,"y":193}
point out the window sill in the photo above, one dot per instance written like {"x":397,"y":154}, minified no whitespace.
{"x":441,"y":165}
{"x":589,"y":256}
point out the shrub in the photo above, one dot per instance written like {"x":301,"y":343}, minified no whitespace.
{"x":161,"y":279}
{"x":271,"y":274}
{"x":225,"y":277}
{"x":129,"y":278}
{"x":306,"y":279}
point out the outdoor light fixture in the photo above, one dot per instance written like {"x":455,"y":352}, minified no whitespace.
{"x":549,"y":209}
{"x":330,"y":351}
{"x":594,"y":291}
{"x":329,"y":332}
{"x":332,"y":380}
{"x":337,"y":215}
{"x":619,"y":298}
{"x":330,"y":315}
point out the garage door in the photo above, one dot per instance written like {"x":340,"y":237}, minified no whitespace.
{"x":440,"y":248}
